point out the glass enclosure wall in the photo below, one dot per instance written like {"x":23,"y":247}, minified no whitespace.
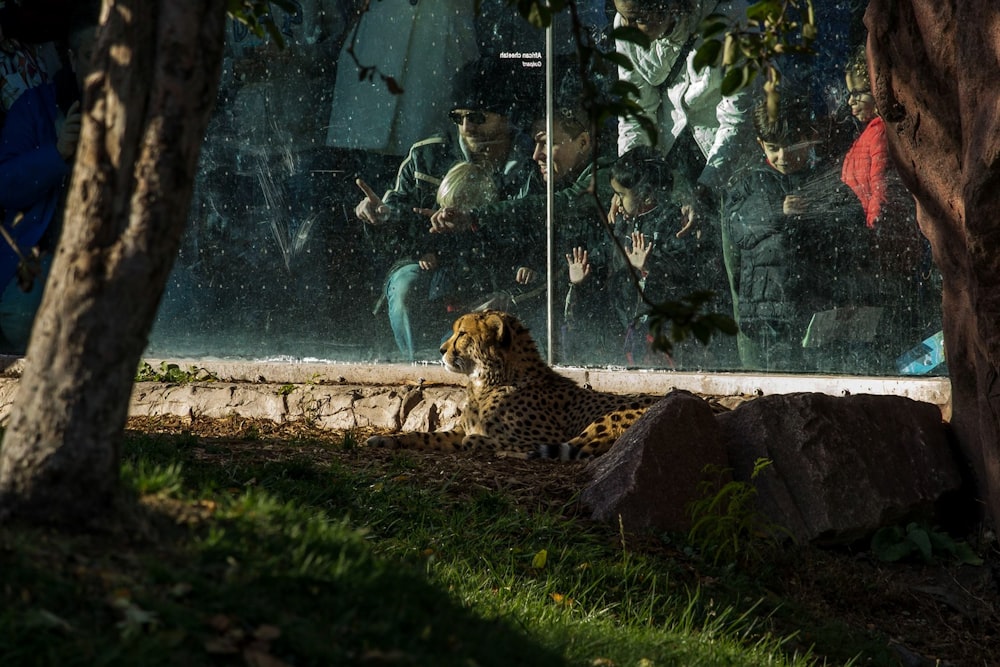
{"x":388,"y":170}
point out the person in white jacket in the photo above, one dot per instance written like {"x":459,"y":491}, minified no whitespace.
{"x":675,"y":96}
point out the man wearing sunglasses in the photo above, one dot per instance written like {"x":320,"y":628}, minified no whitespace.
{"x":428,"y":272}
{"x":514,"y":231}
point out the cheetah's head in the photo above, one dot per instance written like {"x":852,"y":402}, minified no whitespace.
{"x":488,"y":343}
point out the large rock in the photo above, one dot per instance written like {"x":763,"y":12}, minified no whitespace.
{"x":841,"y":466}
{"x":652,"y":473}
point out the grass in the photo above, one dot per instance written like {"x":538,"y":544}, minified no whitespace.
{"x":295,"y":562}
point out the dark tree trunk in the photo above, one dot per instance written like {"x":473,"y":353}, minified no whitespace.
{"x":934,"y":66}
{"x":158,"y":64}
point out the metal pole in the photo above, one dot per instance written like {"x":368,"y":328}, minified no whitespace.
{"x":549,"y":202}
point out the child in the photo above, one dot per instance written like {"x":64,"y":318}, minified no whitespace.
{"x":867,"y":160}
{"x":450,"y":265}
{"x":465,"y":187}
{"x":790,"y":236}
{"x":696,"y":125}
{"x":659,"y":259}
{"x":900,"y":257}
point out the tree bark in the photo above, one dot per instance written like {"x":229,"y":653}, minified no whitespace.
{"x":934,"y":66}
{"x":147,"y":107}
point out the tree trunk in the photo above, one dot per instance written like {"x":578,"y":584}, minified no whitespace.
{"x":934,"y":66}
{"x":147,"y":107}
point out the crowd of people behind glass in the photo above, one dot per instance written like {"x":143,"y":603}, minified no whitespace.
{"x":327,"y":206}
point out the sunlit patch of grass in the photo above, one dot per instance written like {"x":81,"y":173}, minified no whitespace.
{"x":148,"y":478}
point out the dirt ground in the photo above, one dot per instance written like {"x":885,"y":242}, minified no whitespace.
{"x":942,"y":614}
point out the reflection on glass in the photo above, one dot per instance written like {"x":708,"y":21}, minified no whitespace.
{"x":335,"y":220}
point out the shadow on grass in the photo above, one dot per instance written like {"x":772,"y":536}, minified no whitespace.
{"x":205,"y":572}
{"x":476,"y":532}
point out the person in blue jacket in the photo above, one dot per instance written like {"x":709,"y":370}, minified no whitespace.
{"x":37,"y":147}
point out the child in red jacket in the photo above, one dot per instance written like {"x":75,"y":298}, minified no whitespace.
{"x":866,"y":162}
{"x":899,"y":259}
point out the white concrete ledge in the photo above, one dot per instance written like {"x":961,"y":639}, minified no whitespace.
{"x":936,"y":390}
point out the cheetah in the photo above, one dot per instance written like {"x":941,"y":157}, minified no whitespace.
{"x":516,"y":405}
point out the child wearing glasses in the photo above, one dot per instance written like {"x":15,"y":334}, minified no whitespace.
{"x":900,"y":255}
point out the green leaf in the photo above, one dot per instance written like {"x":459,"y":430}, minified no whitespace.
{"x":918,"y":536}
{"x":759,"y":465}
{"x":890,"y":544}
{"x":761,"y":10}
{"x":707,"y":54}
{"x":256,"y":16}
{"x":275,"y":33}
{"x":539,"y":15}
{"x":619,"y":59}
{"x":714,"y":24}
{"x":964,"y":553}
{"x":539,"y":560}
{"x":649,"y":127}
{"x":734,"y":80}
{"x":630,"y":34}
{"x":940,"y":542}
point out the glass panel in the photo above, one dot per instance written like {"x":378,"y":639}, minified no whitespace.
{"x":277,"y":260}
{"x":303,"y":241}
{"x":822,"y":266}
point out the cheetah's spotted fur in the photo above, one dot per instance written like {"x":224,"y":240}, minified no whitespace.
{"x":516,"y":404}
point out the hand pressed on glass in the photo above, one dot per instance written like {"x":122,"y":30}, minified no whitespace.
{"x":579,"y":266}
{"x":428,"y":262}
{"x":525,"y":275}
{"x":640,"y":251}
{"x":69,"y":133}
{"x":794,"y":205}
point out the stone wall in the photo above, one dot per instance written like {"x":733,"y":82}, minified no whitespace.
{"x":426,"y":396}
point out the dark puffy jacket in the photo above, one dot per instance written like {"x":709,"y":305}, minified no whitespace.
{"x":675,"y":268}
{"x":515,"y":231}
{"x":783,"y":268}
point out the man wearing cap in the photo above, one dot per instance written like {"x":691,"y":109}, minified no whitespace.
{"x":429,"y":270}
